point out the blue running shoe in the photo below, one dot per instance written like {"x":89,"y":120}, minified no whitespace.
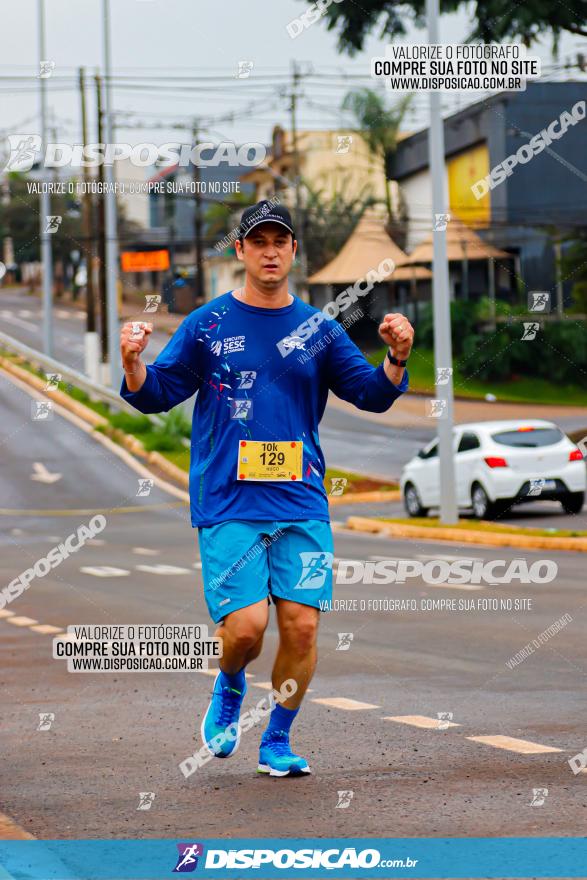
{"x":223,"y":712}
{"x":276,"y":757}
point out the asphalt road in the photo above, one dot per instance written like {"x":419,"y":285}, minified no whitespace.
{"x":115,"y":735}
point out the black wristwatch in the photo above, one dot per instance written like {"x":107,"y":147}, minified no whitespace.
{"x":393,"y":360}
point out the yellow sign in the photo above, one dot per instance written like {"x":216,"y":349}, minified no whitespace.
{"x":463,"y":171}
{"x":280,"y":461}
{"x":144,"y":261}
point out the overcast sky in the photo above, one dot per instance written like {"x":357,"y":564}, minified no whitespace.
{"x":195,"y":37}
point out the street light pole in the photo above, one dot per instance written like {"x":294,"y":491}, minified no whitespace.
{"x":110,"y":214}
{"x":45,"y":236}
{"x":440,"y":296}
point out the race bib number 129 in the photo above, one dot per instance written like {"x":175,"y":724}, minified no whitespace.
{"x":279,"y":461}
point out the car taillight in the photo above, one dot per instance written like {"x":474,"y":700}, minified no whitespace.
{"x":495,"y":462}
{"x":576,"y":455}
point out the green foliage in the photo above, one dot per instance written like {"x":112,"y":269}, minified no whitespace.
{"x":493,"y":21}
{"x":131,"y":424}
{"x":330,"y":221}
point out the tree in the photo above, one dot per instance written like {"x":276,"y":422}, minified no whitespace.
{"x":379,"y":126}
{"x":494,"y":20}
{"x":329,"y":222}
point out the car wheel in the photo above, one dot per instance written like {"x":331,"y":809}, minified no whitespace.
{"x":412,"y":502}
{"x":572,"y":502}
{"x":481,"y":503}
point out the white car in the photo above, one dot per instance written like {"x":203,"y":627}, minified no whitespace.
{"x":497,"y":465}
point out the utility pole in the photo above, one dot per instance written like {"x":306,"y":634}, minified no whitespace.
{"x":440,"y":296}
{"x":101,"y":236}
{"x":110,"y":215}
{"x":199,"y":277}
{"x":301,"y":273}
{"x":45,"y":207}
{"x":91,"y":343}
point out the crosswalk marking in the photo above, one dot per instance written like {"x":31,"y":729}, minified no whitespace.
{"x":159,"y":568}
{"x":145,"y":551}
{"x":421,"y":721}
{"x":344,"y":703}
{"x":104,"y":571}
{"x":511,"y":744}
{"x":21,"y":621}
{"x":46,"y":629}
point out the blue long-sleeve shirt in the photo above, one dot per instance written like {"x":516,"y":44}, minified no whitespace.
{"x":283,"y":362}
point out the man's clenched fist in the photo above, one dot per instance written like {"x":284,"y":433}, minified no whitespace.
{"x":133,"y":340}
{"x":397,"y":332}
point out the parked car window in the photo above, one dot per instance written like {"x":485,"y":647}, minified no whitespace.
{"x":429,"y":451}
{"x":535,"y":437}
{"x":468,"y":441}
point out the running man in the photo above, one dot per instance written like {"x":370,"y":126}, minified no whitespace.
{"x":262,"y":362}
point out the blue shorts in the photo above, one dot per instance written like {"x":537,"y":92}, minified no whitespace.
{"x":245,"y":562}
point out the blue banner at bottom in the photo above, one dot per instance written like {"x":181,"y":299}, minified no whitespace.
{"x":385,"y":858}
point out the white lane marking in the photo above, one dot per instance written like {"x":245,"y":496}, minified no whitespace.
{"x":216,"y":670}
{"x":511,"y":744}
{"x":197,"y":564}
{"x":266,"y":685}
{"x":95,"y":542}
{"x":21,"y":621}
{"x":25,"y":313}
{"x":421,"y":721}
{"x":344,"y":703}
{"x":42,"y":475}
{"x":162,"y":569}
{"x":26,"y":324}
{"x":104,"y":571}
{"x":4,"y":613}
{"x":145,"y":551}
{"x":447,"y":557}
{"x":47,"y":629}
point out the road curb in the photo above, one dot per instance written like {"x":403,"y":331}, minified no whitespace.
{"x":128,"y":441}
{"x":494,"y":539}
{"x":362,"y":497}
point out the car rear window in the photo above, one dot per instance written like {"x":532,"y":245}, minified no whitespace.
{"x":532,"y":438}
